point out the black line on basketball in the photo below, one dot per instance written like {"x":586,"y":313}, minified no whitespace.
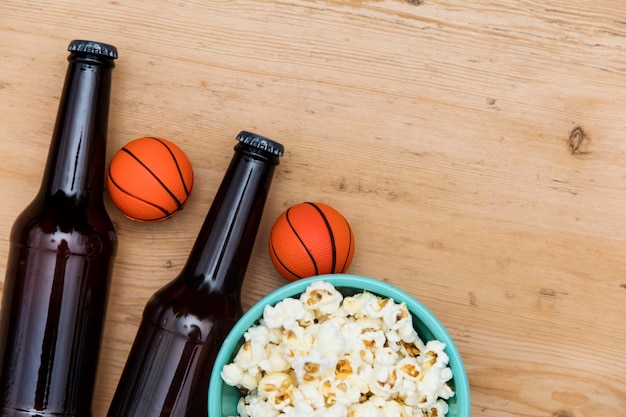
{"x":165,"y":187}
{"x":180,"y":172}
{"x":330,"y":233}
{"x":345,"y":262}
{"x":150,"y":203}
{"x":293,"y":229}
{"x":282,"y":264}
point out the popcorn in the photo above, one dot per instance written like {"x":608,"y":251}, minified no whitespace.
{"x":285,"y":314}
{"x":276,"y":360}
{"x":354,"y":304}
{"x":322,"y":297}
{"x":276,"y":389}
{"x":330,"y":340}
{"x":325,"y":355}
{"x":232,"y":374}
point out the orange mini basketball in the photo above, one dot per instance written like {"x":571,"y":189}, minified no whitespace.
{"x":150,"y":179}
{"x":311,"y":239}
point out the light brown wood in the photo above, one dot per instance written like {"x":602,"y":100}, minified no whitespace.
{"x":478,"y":150}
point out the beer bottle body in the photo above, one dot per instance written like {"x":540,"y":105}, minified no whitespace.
{"x":61,"y":252}
{"x":184,"y":323}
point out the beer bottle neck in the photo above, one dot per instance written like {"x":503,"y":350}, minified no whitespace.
{"x":220,"y":255}
{"x":76,"y":159}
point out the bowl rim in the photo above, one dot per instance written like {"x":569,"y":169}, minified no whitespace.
{"x":374,"y":285}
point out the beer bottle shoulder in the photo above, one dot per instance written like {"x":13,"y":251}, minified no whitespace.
{"x":63,"y":227}
{"x":179,"y":309}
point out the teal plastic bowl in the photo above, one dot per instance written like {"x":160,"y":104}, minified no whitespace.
{"x":222,"y":398}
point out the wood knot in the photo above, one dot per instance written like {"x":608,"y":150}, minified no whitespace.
{"x":578,"y":141}
{"x":562,"y":413}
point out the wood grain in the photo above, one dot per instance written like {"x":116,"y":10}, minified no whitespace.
{"x":477,"y":149}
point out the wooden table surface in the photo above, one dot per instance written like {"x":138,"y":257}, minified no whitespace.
{"x":478,"y":150}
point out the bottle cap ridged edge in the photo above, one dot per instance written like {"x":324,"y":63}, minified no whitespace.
{"x":261,"y":142}
{"x":91,"y":47}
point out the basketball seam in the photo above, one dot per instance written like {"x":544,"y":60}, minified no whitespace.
{"x":293,"y":229}
{"x":165,"y":187}
{"x":164,"y":210}
{"x":282,"y":263}
{"x":345,"y":262}
{"x":180,"y":171}
{"x":330,"y":234}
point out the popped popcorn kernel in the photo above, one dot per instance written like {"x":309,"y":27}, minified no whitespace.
{"x":321,"y":296}
{"x":409,"y":368}
{"x":232,"y":374}
{"x":325,"y":355}
{"x":343,"y":369}
{"x":410,"y":349}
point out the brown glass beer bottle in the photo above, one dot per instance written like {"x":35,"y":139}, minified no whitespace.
{"x":185,"y":322}
{"x":60,"y":257}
